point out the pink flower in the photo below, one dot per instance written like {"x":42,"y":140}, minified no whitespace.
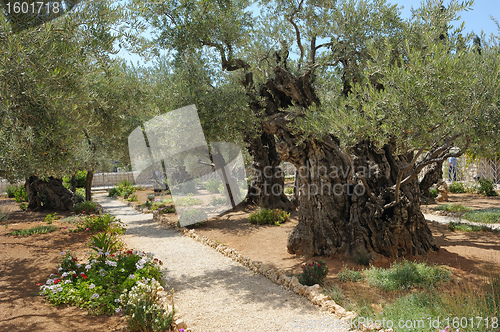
{"x":87,"y":229}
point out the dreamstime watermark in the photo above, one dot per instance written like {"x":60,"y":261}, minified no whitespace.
{"x":321,"y":180}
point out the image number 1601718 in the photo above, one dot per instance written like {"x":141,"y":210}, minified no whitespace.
{"x":38,"y":7}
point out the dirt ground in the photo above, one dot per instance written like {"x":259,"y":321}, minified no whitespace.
{"x":29,"y":260}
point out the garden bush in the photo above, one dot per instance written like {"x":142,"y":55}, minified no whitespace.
{"x":115,"y":192}
{"x":313,"y":273}
{"x":20,"y":194}
{"x":85,"y":207}
{"x":11,"y":191}
{"x":268,"y":216}
{"x":456,"y":187}
{"x":433,"y":192}
{"x":102,"y":223}
{"x":79,"y":195}
{"x":486,"y":187}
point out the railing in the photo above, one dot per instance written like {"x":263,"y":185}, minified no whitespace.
{"x":469,"y":169}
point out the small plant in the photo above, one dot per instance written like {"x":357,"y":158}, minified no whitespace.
{"x":267,"y":216}
{"x":457,"y":188}
{"x":127,"y":191}
{"x":105,"y":244}
{"x":50,"y":218}
{"x":433,"y":192}
{"x":103,"y":223}
{"x":114,"y":192}
{"x":21,"y":195}
{"x":190,"y":200}
{"x":452,"y":208}
{"x":79,"y":195}
{"x":166,"y":209}
{"x":132,"y":198}
{"x":313,"y":273}
{"x":486,"y":187}
{"x":42,"y":229}
{"x":349,"y":275}
{"x":362,"y":258}
{"x":212,"y":185}
{"x":143,"y":308}
{"x":289,"y":190}
{"x":23,"y":206}
{"x":151,"y":197}
{"x":193,"y":216}
{"x":11,"y":191}
{"x":85,"y":207}
{"x":217,"y":201}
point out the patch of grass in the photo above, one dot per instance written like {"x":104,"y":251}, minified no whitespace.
{"x":452,"y":208}
{"x":268,"y":216}
{"x":457,"y":226}
{"x":350,"y":275}
{"x":405,"y":275}
{"x":42,"y":229}
{"x":441,"y":308}
{"x":486,"y":216}
{"x":433,"y":192}
{"x":486,"y":187}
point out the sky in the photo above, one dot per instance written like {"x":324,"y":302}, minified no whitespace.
{"x":476,"y":20}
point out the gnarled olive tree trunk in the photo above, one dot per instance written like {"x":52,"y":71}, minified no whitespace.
{"x":48,"y":194}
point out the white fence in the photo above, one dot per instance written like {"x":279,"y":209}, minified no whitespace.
{"x":469,"y":169}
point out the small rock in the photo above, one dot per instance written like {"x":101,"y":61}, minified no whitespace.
{"x":180,"y":324}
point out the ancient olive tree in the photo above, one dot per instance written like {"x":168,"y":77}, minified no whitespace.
{"x":338,"y":90}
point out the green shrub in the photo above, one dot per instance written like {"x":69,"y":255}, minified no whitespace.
{"x":452,"y":208}
{"x":23,"y":206}
{"x":11,"y":191}
{"x":349,"y":275}
{"x":313,"y":273}
{"x":132,"y":198}
{"x":115,"y":192}
{"x":487,"y":216}
{"x":50,"y":218}
{"x":267,"y":216}
{"x":85,"y":207}
{"x":20,"y":195}
{"x":151,"y":197}
{"x":289,"y":190}
{"x":105,"y":244}
{"x":405,"y":275}
{"x":124,"y":183}
{"x":212,"y":185}
{"x":103,"y":223}
{"x":456,"y":187}
{"x":486,"y":187}
{"x":166,"y":209}
{"x":433,"y":192}
{"x":79,"y":195}
{"x":81,"y":179}
{"x":42,"y":229}
{"x":192,"y":216}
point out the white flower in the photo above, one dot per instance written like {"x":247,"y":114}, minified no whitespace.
{"x":88,"y":267}
{"x":78,"y":265}
{"x":111,"y":263}
{"x":60,"y":269}
{"x":91,"y":286}
{"x":63,"y":253}
{"x":95,"y":296}
{"x":65,"y":274}
{"x":117,"y":300}
{"x":67,"y":281}
{"x":131,"y":276}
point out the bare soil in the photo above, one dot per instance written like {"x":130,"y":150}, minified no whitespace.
{"x":28,"y":260}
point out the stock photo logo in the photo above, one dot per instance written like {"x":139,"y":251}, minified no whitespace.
{"x":204,"y":180}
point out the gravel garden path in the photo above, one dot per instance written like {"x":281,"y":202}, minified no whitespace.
{"x":214,"y":293}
